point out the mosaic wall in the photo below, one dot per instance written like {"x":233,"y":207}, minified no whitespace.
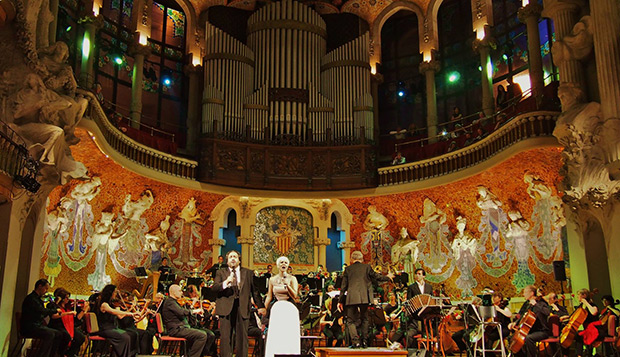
{"x":508,"y":233}
{"x":284,"y":231}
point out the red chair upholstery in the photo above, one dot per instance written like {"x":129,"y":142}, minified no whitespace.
{"x":92,"y":327}
{"x":168,"y":339}
{"x":611,"y":335}
{"x":554,"y":322}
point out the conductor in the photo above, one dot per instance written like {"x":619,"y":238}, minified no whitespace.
{"x":357,"y":283}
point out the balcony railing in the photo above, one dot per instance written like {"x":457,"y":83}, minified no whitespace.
{"x":522,"y":127}
{"x":139,"y":153}
{"x":15,"y":160}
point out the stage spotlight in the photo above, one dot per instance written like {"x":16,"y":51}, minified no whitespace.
{"x":118,"y":60}
{"x":401,"y":93}
{"x":167,"y":81}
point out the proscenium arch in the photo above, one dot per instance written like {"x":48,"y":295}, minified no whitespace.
{"x":380,"y":20}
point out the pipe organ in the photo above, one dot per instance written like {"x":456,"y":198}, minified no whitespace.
{"x":281,"y":83}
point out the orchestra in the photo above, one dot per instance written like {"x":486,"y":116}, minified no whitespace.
{"x":398,"y":311}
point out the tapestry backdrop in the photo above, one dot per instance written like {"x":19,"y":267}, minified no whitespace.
{"x":501,"y":228}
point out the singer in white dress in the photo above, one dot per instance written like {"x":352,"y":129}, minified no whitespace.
{"x":283,"y":334}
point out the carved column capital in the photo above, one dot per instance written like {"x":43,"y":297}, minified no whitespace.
{"x":434,"y":65}
{"x":217,"y":242}
{"x":531,"y":10}
{"x":377,"y":77}
{"x":245,"y":240}
{"x":138,"y":49}
{"x":486,"y":43}
{"x":322,"y":241}
{"x":190,"y":69}
{"x":345,"y":245}
{"x":90,"y":20}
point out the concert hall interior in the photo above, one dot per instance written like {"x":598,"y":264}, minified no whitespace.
{"x":476,"y":139}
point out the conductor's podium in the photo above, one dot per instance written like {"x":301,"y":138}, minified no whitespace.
{"x":345,"y":351}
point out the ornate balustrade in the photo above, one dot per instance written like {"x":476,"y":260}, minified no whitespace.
{"x":141,"y":154}
{"x":522,"y":127}
{"x":276,"y":167}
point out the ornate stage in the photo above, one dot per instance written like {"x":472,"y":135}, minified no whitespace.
{"x":344,"y":351}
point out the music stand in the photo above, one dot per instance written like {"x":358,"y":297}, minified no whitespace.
{"x":196,"y":281}
{"x":208,"y":294}
{"x":140,"y":272}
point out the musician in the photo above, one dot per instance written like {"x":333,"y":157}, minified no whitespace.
{"x":165,"y":278}
{"x":164,"y":268}
{"x":540,"y":329}
{"x":357,"y":284}
{"x":332,"y":324}
{"x":419,"y":286}
{"x":33,"y":313}
{"x":176,"y":320}
{"x":217,"y":266}
{"x":503,"y":315}
{"x":556,"y":309}
{"x":151,"y":328}
{"x":107,"y":316}
{"x":67,"y":322}
{"x":583,"y":342}
{"x":462,"y":338}
{"x":234,"y":287}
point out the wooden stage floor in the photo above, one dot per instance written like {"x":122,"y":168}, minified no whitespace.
{"x":345,"y":351}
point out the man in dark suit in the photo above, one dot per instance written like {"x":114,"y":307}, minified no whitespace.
{"x":357,"y":283}
{"x":419,"y":286}
{"x":234,"y":286}
{"x":177,"y":324}
{"x":33,"y":313}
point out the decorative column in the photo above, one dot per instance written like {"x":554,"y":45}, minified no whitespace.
{"x":606,"y":28}
{"x":138,"y":52}
{"x":430,"y":68}
{"x":529,"y":15}
{"x":375,"y":81}
{"x":247,"y":251}
{"x":91,"y":24}
{"x":321,"y":243}
{"x":483,"y":47}
{"x":54,"y":24}
{"x":216,"y":248}
{"x":564,"y":16}
{"x":346,"y":250}
{"x":193,"y":107}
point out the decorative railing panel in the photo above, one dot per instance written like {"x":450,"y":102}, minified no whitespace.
{"x":524,"y":126}
{"x":286,"y":168}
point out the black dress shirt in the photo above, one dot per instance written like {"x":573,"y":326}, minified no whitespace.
{"x":33,"y":312}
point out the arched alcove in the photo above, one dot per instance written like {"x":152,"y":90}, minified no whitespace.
{"x":230,"y":232}
{"x":596,"y":255}
{"x":335,"y":235}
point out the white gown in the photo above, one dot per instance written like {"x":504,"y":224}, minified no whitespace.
{"x":283,"y":335}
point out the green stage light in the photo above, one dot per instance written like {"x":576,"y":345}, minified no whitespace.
{"x":68,"y":28}
{"x":453,"y":76}
{"x":118,"y":60}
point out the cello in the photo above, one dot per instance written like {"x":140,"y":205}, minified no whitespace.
{"x":572,"y":326}
{"x":525,"y":324}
